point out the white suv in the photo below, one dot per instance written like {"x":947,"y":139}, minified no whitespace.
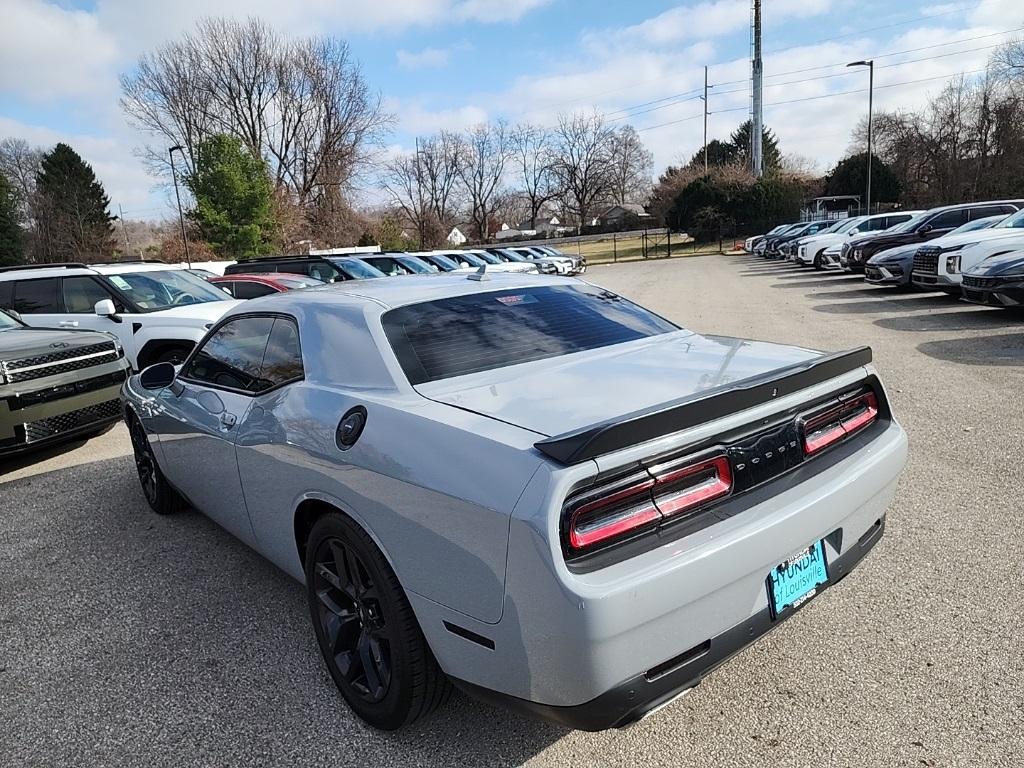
{"x":818,"y":251}
{"x":157,"y":311}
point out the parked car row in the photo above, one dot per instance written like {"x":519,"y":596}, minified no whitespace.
{"x":971,"y":250}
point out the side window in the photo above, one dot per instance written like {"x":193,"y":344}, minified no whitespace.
{"x":233,"y":356}
{"x":949,"y":219}
{"x":36,"y":297}
{"x":322,"y":271}
{"x":246,"y":289}
{"x":991,"y":210}
{"x":283,"y":359}
{"x":226,"y":286}
{"x":82,"y":293}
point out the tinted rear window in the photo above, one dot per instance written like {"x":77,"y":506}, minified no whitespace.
{"x":467,"y":334}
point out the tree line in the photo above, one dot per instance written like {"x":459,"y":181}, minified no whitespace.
{"x":495,"y":173}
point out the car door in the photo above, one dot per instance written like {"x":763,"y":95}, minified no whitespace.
{"x":199,"y":417}
{"x":79,"y":294}
{"x":943,"y":223}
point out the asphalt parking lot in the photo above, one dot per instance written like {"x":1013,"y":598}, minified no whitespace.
{"x":128,"y":639}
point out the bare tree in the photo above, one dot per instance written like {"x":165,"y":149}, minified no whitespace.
{"x":20,"y":163}
{"x":631,"y":167}
{"x":302,"y":104}
{"x":485,"y":150}
{"x":532,"y":147}
{"x":423,"y":186}
{"x":582,"y":151}
{"x":1008,"y":61}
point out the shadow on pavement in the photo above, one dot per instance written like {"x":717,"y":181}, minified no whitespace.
{"x":30,"y":458}
{"x":902,"y":303}
{"x":1001,"y":350}
{"x":967,"y":320}
{"x":165,"y":641}
{"x":804,"y":282}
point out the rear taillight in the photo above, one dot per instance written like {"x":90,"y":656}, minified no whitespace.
{"x":828,"y":428}
{"x":605,"y":516}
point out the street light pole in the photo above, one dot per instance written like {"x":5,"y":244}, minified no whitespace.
{"x":871,"y":98}
{"x":177,"y":195}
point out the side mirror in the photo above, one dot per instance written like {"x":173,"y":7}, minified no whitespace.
{"x":925,"y":230}
{"x":158,"y":376}
{"x":105,"y":308}
{"x":16,"y":315}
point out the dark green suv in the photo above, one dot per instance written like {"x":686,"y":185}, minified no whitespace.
{"x":56,"y":385}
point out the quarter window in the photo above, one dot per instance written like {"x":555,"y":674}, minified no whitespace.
{"x":282,"y":361}
{"x":36,"y":297}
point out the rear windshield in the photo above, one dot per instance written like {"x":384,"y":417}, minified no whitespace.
{"x":479,"y":332}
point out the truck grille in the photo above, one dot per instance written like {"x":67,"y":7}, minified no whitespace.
{"x":61,"y":391}
{"x":927,"y":260}
{"x":28,"y":368}
{"x":980,"y":282}
{"x":66,"y":422}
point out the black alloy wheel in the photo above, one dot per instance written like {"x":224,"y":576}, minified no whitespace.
{"x":367,"y":631}
{"x":160,"y":496}
{"x":352,"y":620}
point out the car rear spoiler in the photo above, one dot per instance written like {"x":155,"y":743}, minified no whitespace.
{"x":666,"y":418}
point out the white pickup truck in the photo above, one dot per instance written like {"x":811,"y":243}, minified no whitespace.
{"x":158,"y":312}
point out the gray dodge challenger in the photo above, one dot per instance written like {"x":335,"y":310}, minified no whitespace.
{"x":526,"y":487}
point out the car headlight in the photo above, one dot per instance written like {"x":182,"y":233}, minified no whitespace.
{"x":953,"y":264}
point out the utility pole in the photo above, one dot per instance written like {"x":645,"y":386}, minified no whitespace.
{"x":705,"y":98}
{"x":757,"y":119}
{"x":124,"y":231}
{"x":177,"y":195}
{"x":419,"y":192}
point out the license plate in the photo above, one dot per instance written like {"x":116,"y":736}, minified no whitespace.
{"x":793,"y":582}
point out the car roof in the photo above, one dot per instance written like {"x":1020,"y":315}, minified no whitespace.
{"x":133,"y":266}
{"x":391,"y":292}
{"x":976,"y":204}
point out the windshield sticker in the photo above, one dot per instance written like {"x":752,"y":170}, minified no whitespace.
{"x":120,"y":282}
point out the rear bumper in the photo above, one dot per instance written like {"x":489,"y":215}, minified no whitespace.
{"x":642,"y":694}
{"x":571,"y":644}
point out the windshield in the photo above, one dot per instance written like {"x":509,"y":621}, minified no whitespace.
{"x":7,"y":322}
{"x":909,"y":225}
{"x":490,"y":258}
{"x":294,"y":283}
{"x":847,"y":224}
{"x":356,"y":269}
{"x":415,"y":265}
{"x":974,"y":226}
{"x":511,"y":256}
{"x":444,"y":262}
{"x":160,"y":289}
{"x":1013,"y":221}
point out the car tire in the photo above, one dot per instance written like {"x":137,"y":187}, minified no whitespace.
{"x":366,"y":629}
{"x":818,"y":261}
{"x":160,"y":496}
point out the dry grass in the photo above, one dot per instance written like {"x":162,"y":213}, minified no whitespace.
{"x":632,"y":249}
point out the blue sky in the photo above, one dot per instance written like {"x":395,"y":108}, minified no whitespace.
{"x":453,"y":63}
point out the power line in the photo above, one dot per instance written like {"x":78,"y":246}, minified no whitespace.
{"x":669,"y":103}
{"x":594,"y":96}
{"x":813,"y":98}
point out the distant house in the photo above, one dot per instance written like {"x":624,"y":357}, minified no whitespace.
{"x":546,"y":225}
{"x":620,"y":214}
{"x":457,"y":237}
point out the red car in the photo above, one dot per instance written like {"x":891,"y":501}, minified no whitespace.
{"x":253,"y":286}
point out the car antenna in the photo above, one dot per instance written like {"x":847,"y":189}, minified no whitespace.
{"x":480,"y":275}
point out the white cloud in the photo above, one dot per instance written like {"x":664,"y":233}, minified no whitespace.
{"x":415,"y":119}
{"x":428,"y":58}
{"x":123,"y":177}
{"x":48,"y":52}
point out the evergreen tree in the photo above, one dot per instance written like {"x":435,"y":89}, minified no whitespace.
{"x":11,"y":241}
{"x":770,"y":153}
{"x":71,"y":209}
{"x":849,"y":177}
{"x":233,"y":198}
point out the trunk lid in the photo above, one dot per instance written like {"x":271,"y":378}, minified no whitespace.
{"x":555,"y":396}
